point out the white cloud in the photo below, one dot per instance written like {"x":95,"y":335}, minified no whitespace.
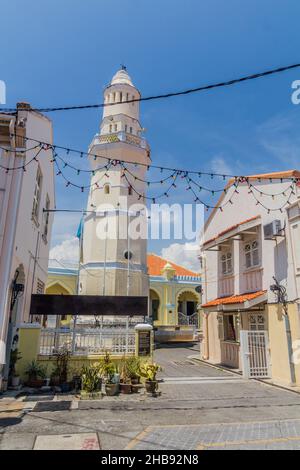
{"x":184,"y":254}
{"x":219,"y":165}
{"x":65,"y":227}
{"x":68,"y":250}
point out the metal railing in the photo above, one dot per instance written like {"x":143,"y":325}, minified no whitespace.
{"x":191,"y":320}
{"x":87,"y":341}
{"x":121,"y":136}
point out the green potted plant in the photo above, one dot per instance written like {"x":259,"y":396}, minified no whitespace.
{"x":134,"y":372}
{"x":125,"y":380}
{"x":36,"y":374}
{"x":15,"y":356}
{"x":149,"y":371}
{"x":59,"y":375}
{"x":91,"y":381}
{"x":109,"y":375}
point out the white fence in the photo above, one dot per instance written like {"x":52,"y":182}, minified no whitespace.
{"x":84,"y":341}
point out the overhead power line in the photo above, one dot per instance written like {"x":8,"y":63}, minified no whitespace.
{"x":164,"y":95}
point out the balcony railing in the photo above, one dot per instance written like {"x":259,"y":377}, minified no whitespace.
{"x":121,"y":137}
{"x":252,"y":280}
{"x":226,"y":286}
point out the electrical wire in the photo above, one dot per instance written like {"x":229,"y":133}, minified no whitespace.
{"x":164,"y":95}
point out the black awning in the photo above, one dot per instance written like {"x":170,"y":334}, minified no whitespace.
{"x":44,"y":304}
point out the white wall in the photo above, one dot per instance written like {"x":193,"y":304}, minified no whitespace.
{"x":275,"y":255}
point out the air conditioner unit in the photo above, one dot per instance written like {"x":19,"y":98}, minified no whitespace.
{"x":272,"y":229}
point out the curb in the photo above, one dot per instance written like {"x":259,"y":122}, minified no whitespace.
{"x":224,"y":368}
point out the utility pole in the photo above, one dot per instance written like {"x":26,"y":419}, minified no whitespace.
{"x":280,"y":292}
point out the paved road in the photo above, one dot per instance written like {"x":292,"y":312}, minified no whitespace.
{"x":199,"y":407}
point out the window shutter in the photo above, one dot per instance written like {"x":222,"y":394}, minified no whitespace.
{"x":221,"y":327}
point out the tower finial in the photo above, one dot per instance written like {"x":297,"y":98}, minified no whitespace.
{"x":123,"y":67}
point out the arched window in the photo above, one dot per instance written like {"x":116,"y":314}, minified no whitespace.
{"x":130,"y":129}
{"x":116,"y":127}
{"x":126,"y":127}
{"x":110,"y":128}
{"x":113,"y":97}
{"x":129,"y":190}
{"x":133,"y":101}
{"x":106,"y":189}
{"x":121,"y":96}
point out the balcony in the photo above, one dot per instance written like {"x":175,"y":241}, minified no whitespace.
{"x":252,"y":280}
{"x":226,"y":286}
{"x":121,"y":137}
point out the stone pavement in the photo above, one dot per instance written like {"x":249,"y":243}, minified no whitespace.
{"x":199,"y":407}
{"x":255,"y":435}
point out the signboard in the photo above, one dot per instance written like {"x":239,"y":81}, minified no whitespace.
{"x":47,"y":304}
{"x":144,"y":343}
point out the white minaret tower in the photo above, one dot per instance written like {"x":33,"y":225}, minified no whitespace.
{"x":113,"y":249}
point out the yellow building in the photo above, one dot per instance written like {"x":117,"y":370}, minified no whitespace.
{"x":174,"y":296}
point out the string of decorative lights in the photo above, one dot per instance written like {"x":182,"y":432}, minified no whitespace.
{"x":137,"y":178}
{"x":185,"y":174}
{"x":22,"y":167}
{"x":149,"y":198}
{"x":219,"y":206}
{"x":94,"y":185}
{"x":276,"y":209}
{"x":207,"y":206}
{"x":166,"y":95}
{"x":180,"y":171}
{"x":273,"y":195}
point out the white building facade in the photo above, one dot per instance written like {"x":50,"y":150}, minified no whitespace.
{"x":113,"y":258}
{"x":251,"y":241}
{"x":25,"y":229}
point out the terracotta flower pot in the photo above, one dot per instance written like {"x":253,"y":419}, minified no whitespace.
{"x":35,"y":383}
{"x":151,"y":386}
{"x":125,"y":388}
{"x":111,"y":389}
{"x":135,"y":381}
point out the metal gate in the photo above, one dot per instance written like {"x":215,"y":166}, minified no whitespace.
{"x":255,"y":354}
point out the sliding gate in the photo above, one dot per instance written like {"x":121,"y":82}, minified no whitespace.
{"x":255,"y":354}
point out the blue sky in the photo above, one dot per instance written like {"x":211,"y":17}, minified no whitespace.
{"x":63,"y":53}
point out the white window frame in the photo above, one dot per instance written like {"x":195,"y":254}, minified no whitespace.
{"x":295,"y":234}
{"x":37,"y":195}
{"x":46,"y":219}
{"x":226,"y":263}
{"x":252,"y":253}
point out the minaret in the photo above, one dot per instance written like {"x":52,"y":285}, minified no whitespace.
{"x":113,"y":262}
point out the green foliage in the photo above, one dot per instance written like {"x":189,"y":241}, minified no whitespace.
{"x":149,"y":371}
{"x":62,"y":365}
{"x":91,"y":378}
{"x":35,"y":370}
{"x":107,"y":367}
{"x":124,"y":371}
{"x":133,"y":365}
{"x":15,"y":356}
